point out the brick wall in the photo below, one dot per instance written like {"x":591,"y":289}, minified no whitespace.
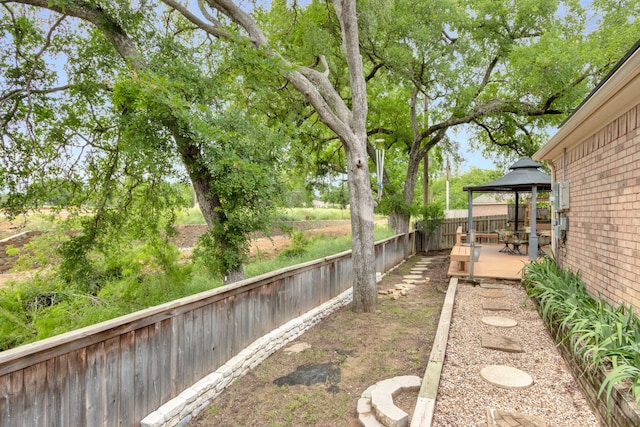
{"x":603,"y":240}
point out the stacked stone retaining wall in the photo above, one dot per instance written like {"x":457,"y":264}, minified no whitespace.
{"x":188,"y":235}
{"x":18,"y":241}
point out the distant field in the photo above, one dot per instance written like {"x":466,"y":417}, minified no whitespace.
{"x":194,"y":216}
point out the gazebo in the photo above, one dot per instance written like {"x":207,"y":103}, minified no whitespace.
{"x":525,"y":177}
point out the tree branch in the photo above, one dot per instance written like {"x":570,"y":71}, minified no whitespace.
{"x":214,"y":29}
{"x":240,"y":17}
{"x":16,"y":92}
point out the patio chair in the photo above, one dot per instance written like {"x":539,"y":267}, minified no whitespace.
{"x":503,"y":237}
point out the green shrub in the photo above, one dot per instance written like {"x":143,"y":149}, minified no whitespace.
{"x":297,"y":245}
{"x":600,"y":334}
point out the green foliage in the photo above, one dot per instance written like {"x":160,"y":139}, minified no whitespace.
{"x":600,"y":335}
{"x":45,"y":305}
{"x":297,"y":245}
{"x":318,"y":247}
{"x":394,"y":203}
{"x":431,"y":216}
{"x":41,"y":251}
{"x":336,"y":195}
{"x":190,"y":216}
{"x":458,"y":198}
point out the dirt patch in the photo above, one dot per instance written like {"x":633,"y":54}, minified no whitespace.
{"x":354,"y":350}
{"x":269,"y":247}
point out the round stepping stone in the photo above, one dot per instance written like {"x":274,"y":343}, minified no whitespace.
{"x":410,"y":281}
{"x":492,"y":294}
{"x":412,"y":276}
{"x":506,"y":377}
{"x":493,"y":286}
{"x":499,"y":321}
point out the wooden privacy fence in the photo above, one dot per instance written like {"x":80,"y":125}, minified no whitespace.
{"x":445,"y":235}
{"x":117,"y":372}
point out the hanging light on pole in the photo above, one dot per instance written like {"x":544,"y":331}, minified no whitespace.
{"x":379,"y":167}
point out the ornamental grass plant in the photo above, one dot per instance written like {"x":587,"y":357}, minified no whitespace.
{"x":600,"y":334}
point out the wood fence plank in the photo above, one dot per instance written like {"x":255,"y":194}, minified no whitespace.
{"x":60,"y":391}
{"x":77,"y":367}
{"x":112,"y":385}
{"x":188,"y":360}
{"x":198,"y":344}
{"x":154,"y":346}
{"x":34,"y":386}
{"x":52,"y":401}
{"x":12,"y":399}
{"x":208,"y":341}
{"x":140,"y":373}
{"x":176,"y":334}
{"x":95,"y":397}
{"x":126,"y":380}
{"x":165,"y":359}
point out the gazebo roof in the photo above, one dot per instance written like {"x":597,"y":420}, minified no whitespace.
{"x":525,"y":173}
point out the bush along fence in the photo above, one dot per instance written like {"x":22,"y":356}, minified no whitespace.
{"x":599,"y":342}
{"x":160,"y":363}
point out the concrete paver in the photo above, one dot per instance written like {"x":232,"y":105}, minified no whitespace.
{"x":492,"y":293}
{"x":499,"y":418}
{"x":500,"y":343}
{"x":496,"y":305}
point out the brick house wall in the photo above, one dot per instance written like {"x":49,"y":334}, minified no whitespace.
{"x":603,"y":240}
{"x":597,"y":152}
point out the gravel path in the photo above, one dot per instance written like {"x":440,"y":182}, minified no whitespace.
{"x":464,"y":397}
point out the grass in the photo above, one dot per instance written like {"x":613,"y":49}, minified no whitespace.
{"x":45,"y":306}
{"x":600,"y":335}
{"x":318,"y":247}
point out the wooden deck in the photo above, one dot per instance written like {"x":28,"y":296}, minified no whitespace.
{"x":492,"y":264}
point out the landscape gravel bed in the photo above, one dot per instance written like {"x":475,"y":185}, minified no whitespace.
{"x":464,"y":397}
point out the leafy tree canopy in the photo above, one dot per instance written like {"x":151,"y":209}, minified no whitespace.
{"x":104,"y":106}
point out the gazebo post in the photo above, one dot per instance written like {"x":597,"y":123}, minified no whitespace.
{"x":515,"y":226}
{"x":470,"y":212}
{"x":533,"y":237}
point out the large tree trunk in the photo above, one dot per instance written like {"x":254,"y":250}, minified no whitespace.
{"x":365,"y":291}
{"x":207,"y":199}
{"x":401,"y":220}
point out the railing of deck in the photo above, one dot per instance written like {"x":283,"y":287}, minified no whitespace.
{"x":445,"y":235}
